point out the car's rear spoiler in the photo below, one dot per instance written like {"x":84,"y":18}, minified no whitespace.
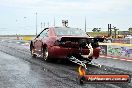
{"x":96,"y":39}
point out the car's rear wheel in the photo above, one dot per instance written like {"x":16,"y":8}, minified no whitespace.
{"x":45,"y":54}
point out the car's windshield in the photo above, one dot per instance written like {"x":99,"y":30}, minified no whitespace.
{"x":69,"y":31}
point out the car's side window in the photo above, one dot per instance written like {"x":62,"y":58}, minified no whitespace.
{"x":44,"y":33}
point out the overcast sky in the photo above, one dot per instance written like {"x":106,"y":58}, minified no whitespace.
{"x":18,"y":16}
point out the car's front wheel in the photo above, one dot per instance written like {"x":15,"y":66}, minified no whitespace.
{"x":32,"y":52}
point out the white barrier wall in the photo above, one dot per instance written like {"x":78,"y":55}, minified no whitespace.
{"x":119,"y":51}
{"x":116,"y":50}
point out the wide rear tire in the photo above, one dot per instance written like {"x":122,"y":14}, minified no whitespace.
{"x":45,"y":54}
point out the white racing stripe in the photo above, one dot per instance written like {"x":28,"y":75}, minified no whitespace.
{"x":90,"y":49}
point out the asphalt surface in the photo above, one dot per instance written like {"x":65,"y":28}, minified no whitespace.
{"x":19,"y":70}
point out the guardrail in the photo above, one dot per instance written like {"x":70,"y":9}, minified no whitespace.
{"x":26,"y":38}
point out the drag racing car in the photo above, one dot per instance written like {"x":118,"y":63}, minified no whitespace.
{"x":55,"y":43}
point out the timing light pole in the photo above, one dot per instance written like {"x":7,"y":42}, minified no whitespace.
{"x":85,"y":24}
{"x":36,"y":23}
{"x":41,"y":26}
{"x":110,"y":30}
{"x":54,"y":21}
{"x":44,"y":25}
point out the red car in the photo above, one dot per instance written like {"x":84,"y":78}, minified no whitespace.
{"x":63,"y":42}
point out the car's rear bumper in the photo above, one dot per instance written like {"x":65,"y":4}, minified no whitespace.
{"x":61,"y":52}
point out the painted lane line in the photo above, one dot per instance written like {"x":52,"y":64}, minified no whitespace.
{"x":108,"y":57}
{"x":102,"y":56}
{"x":25,"y":44}
{"x":123,"y":59}
{"x":2,"y":40}
{"x":115,"y":58}
{"x":9,"y":41}
{"x":17,"y":42}
{"x":22,"y":44}
{"x":129,"y":60}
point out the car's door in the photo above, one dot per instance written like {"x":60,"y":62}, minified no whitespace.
{"x":40,"y":39}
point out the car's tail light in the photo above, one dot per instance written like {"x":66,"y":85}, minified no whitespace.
{"x":95,"y":44}
{"x":57,"y":43}
{"x":96,"y":52}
